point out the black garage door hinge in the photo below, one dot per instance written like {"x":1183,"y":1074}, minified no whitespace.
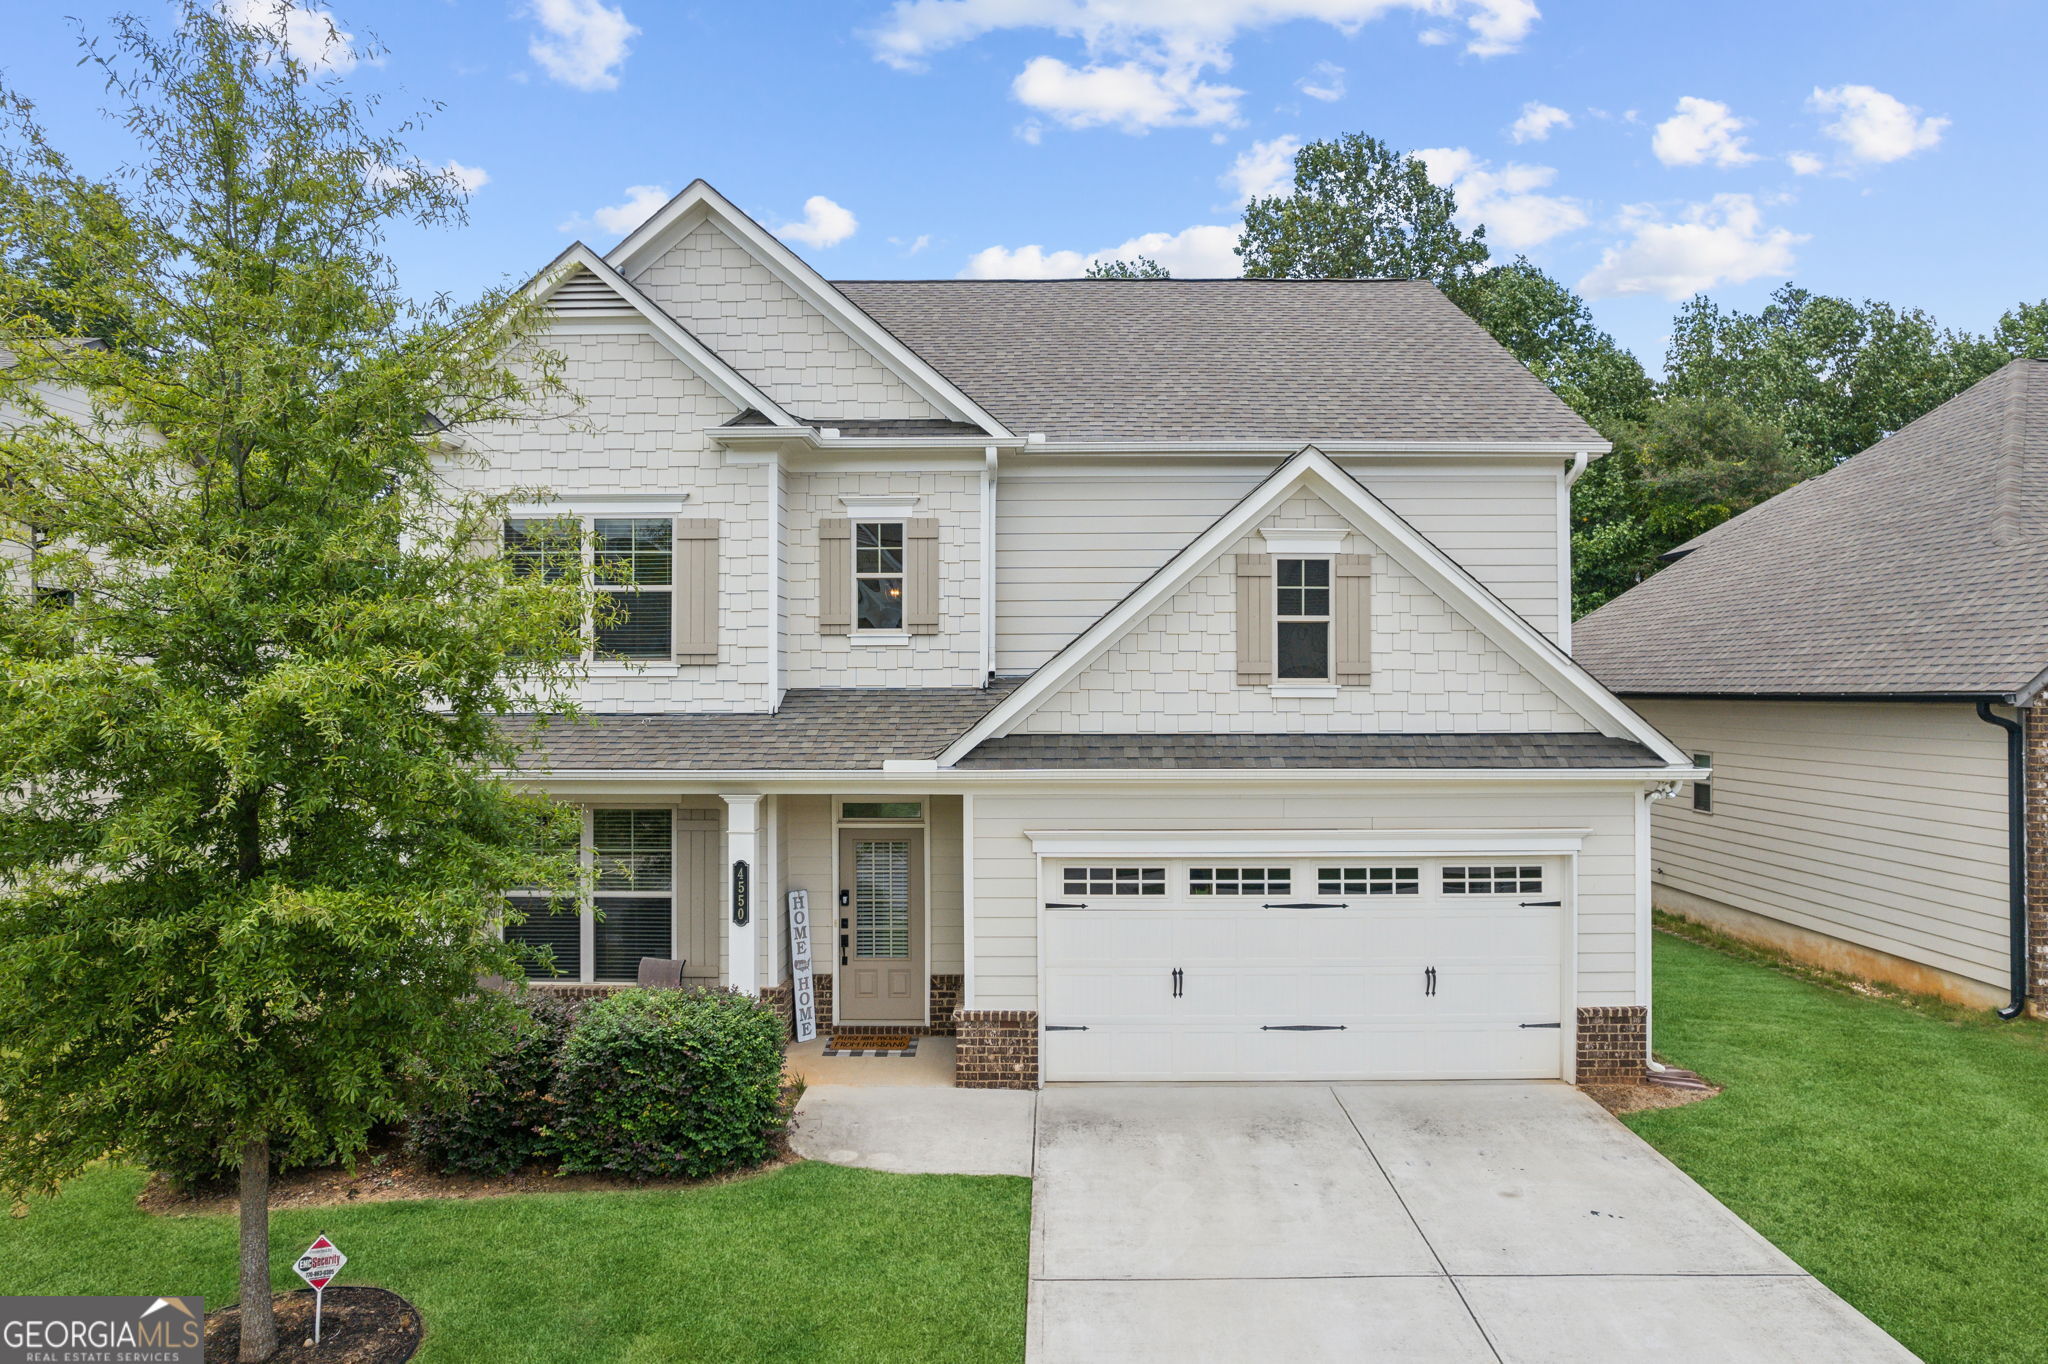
{"x":1541,"y":904}
{"x":1083,"y":1027}
{"x":1540,"y":1025}
{"x":1303,"y":905}
{"x":1302,"y":1027}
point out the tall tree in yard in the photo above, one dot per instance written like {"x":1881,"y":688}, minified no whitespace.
{"x":250,"y":654}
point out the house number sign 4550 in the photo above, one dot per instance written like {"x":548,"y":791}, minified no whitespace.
{"x":742,"y":893}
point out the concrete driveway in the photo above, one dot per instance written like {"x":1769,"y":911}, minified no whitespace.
{"x":1437,"y":1222}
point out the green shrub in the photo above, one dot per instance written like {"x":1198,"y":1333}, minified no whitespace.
{"x":499,"y":1129}
{"x":669,"y":1082}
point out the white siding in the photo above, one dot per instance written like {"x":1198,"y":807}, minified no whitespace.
{"x":640,"y":432}
{"x":951,"y":658}
{"x":1881,"y":824}
{"x":765,"y":330}
{"x":1072,"y":542}
{"x":1432,"y":670}
{"x":1006,"y":898}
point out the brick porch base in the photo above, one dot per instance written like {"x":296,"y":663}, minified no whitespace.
{"x":998,"y":1049}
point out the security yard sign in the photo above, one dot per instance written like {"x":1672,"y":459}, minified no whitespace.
{"x":318,"y":1266}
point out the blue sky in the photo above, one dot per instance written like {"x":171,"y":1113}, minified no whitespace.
{"x":1637,"y":150}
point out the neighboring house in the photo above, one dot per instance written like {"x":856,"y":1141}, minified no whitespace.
{"x":1853,"y":658}
{"x":1144,"y":680}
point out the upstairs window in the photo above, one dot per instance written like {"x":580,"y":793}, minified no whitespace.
{"x":631,"y":559}
{"x":1302,"y":622}
{"x":1703,"y":791}
{"x":634,"y":558}
{"x":878,"y":575}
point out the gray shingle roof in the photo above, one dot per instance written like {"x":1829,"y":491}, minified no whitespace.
{"x":1296,"y":360}
{"x":822,"y":729}
{"x":1919,"y":567}
{"x":1365,"y":751}
{"x":870,"y":426}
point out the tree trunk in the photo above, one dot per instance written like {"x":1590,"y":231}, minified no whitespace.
{"x":259,"y":1326}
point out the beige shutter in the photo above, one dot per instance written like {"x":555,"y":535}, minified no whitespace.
{"x":921,"y":575}
{"x":1351,"y":620}
{"x":696,"y":589}
{"x":835,"y":575}
{"x":1255,"y":608}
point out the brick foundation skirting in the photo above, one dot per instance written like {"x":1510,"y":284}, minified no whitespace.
{"x":998,"y":1049}
{"x":1614,"y":1043}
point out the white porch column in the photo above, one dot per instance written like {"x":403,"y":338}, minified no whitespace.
{"x":742,"y":844}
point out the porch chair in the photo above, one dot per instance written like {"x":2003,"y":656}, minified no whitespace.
{"x":661,"y":973}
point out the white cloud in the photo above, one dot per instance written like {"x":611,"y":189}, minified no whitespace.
{"x":1262,"y":169}
{"x":1131,"y":95}
{"x":1537,"y":120}
{"x":582,"y":43}
{"x":1149,"y":62}
{"x":618,"y":219}
{"x":1325,"y":81}
{"x":1505,"y":200}
{"x":824,"y":224}
{"x":310,"y":35}
{"x":1702,"y":130}
{"x":468,"y":179}
{"x":1723,"y":241}
{"x":1805,"y":163}
{"x":1873,"y":126}
{"x":1207,"y":252}
{"x":913,"y":245}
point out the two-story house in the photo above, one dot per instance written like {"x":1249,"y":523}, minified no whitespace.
{"x":1144,"y":680}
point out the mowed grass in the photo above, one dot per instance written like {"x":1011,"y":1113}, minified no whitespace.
{"x":810,"y":1262}
{"x":1898,"y":1152}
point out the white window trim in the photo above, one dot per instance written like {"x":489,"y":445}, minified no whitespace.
{"x":1302,"y":688}
{"x":625,"y":504}
{"x":585,"y":513}
{"x":1303,"y":544}
{"x":1315,"y":686}
{"x":586,"y":859}
{"x":880,"y":508}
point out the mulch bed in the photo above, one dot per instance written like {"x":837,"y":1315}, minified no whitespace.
{"x":1669,"y":1088}
{"x":357,"y":1326}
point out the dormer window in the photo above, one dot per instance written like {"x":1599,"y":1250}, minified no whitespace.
{"x":1302,"y":619}
{"x":878,"y":575}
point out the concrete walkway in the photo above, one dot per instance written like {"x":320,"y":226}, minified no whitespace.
{"x":917,"y":1130}
{"x":1428,"y":1222}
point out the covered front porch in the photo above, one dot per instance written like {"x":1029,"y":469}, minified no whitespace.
{"x":709,"y":879}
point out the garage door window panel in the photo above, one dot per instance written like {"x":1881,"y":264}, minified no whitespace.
{"x":1116,"y":881}
{"x":1369,"y":881}
{"x":1239,"y":881}
{"x":1493,"y":880}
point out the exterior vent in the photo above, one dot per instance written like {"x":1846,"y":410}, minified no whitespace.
{"x":584,"y":292}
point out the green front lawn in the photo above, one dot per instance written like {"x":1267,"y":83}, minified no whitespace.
{"x":811,"y":1262}
{"x":1900,"y":1153}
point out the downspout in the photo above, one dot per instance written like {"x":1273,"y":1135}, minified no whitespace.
{"x":988,"y":566}
{"x":2016,"y":852}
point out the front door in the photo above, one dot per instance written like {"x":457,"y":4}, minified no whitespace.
{"x":881,"y":926}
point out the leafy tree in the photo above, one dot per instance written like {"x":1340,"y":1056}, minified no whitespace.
{"x":1143,"y":267}
{"x":1551,"y":330}
{"x":251,"y":842}
{"x":1838,"y":376}
{"x":1360,"y":210}
{"x":2022,"y":333}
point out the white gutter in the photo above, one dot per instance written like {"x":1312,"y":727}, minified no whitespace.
{"x":1564,"y":547}
{"x":940,"y":779}
{"x":1328,"y":447}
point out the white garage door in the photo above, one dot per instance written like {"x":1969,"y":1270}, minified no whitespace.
{"x":1321,"y":969}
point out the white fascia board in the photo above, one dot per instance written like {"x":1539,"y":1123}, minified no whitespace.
{"x":1313,"y":469}
{"x":731,"y":385}
{"x":1546,"y":449}
{"x":699,"y":201}
{"x":1217,"y":780}
{"x":1301,"y":842}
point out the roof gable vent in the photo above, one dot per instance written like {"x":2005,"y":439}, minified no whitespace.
{"x":584,"y":293}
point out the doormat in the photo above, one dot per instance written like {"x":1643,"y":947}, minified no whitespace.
{"x":870,"y":1044}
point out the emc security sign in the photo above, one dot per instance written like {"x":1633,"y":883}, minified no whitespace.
{"x":102,"y":1330}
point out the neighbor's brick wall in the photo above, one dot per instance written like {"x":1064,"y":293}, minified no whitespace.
{"x":2036,"y":721}
{"x":1433,"y":671}
{"x":998,"y":1049}
{"x":1614,"y":1042}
